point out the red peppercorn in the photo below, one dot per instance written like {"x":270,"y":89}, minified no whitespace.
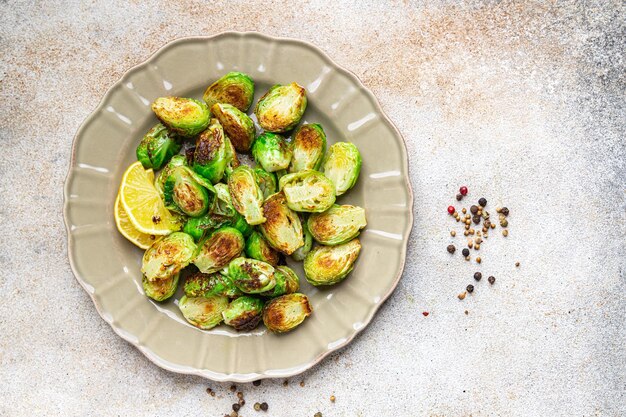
{"x":463,"y":190}
{"x":451,"y":209}
{"x":425,"y":313}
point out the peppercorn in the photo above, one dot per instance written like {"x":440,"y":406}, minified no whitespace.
{"x":236,"y":407}
{"x":471,"y":231}
{"x":452,"y":233}
{"x":477,"y":276}
{"x":463,"y":210}
{"x":451,"y":209}
{"x":463,"y":190}
{"x":493,"y":225}
{"x":451,"y":248}
{"x":465,"y":233}
{"x":476,"y":219}
{"x":470,"y":288}
{"x":332,"y":398}
{"x":234,"y":414}
{"x":479,"y":212}
{"x":461,"y":296}
{"x":242,"y":402}
{"x":505,"y":211}
{"x":233,"y":388}
{"x":285,"y":382}
{"x":504,"y":223}
{"x":257,"y":383}
{"x":318,"y":414}
{"x":465,"y":252}
{"x":264,"y":406}
{"x":467,"y":227}
{"x":466,"y":312}
{"x":482,"y":201}
{"x":470,"y":244}
{"x":468,"y":222}
{"x":477,"y":246}
{"x":459,"y":197}
{"x":467,"y":258}
{"x":505,"y":233}
{"x":302,"y":383}
{"x":478,"y":260}
{"x":257,"y":406}
{"x":517,"y":264}
{"x":491,"y":279}
{"x":474,"y":209}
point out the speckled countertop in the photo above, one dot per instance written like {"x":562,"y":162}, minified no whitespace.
{"x":521,"y":101}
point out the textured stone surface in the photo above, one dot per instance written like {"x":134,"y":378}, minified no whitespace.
{"x":523,"y":102}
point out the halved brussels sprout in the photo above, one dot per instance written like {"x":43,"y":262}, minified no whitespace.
{"x":184,"y":116}
{"x":282,"y":229}
{"x":157,"y":147}
{"x":303,"y":250}
{"x":337,"y":225}
{"x":211,"y":154}
{"x":258,"y":248}
{"x":237,"y":125}
{"x":246,"y":195}
{"x":244,"y":313}
{"x":240,"y":223}
{"x":203,"y":312}
{"x":286,"y":312}
{"x":308,"y":146}
{"x":287,"y":282}
{"x":327,"y":265}
{"x":281,"y":108}
{"x":181,"y":192}
{"x":308,"y":191}
{"x":235,"y":88}
{"x":231,"y":157}
{"x":206,"y":285}
{"x":216,"y":251}
{"x":267,"y":181}
{"x":176,"y":161}
{"x":167,"y":256}
{"x":197,"y":227}
{"x":251,"y":276}
{"x":224,"y":203}
{"x":162,"y":289}
{"x":271,"y":151}
{"x":342,"y":166}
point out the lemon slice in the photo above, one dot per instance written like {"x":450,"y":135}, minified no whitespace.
{"x":126,"y":228}
{"x":143,"y":205}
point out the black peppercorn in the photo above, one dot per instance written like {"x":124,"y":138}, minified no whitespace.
{"x":236,"y":407}
{"x":476,"y":219}
{"x":459,"y":197}
{"x":505,"y":211}
{"x":470,"y":288}
{"x":491,"y":279}
{"x":451,"y":248}
{"x":257,"y":383}
{"x":474,"y":209}
{"x":482,"y":202}
{"x":465,"y":252}
{"x":264,"y":406}
{"x":478,"y":276}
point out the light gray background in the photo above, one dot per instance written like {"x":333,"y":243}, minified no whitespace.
{"x":522,"y":102}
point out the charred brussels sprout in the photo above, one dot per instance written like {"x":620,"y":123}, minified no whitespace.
{"x":337,"y":225}
{"x":281,"y":108}
{"x":287,"y":282}
{"x":258,"y":248}
{"x":286,"y":312}
{"x":267,"y":182}
{"x":157,"y":147}
{"x":161,"y":289}
{"x":282,"y":229}
{"x":308,"y":191}
{"x":237,"y":125}
{"x":216,"y":251}
{"x":308,"y":147}
{"x":206,"y":285}
{"x":342,"y":166}
{"x":271,"y":151}
{"x":182,"y":192}
{"x":203,"y":312}
{"x":234,"y":88}
{"x":251,"y":276}
{"x":224,"y":204}
{"x":246,"y":195}
{"x":167,"y":256}
{"x":231,"y":158}
{"x":211,"y":155}
{"x":176,"y":161}
{"x":327,"y":265}
{"x":184,"y":116}
{"x":244,"y":313}
{"x":303,"y":250}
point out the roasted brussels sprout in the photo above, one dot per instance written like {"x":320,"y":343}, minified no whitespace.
{"x":246,"y":195}
{"x":214,"y":252}
{"x":181,"y":192}
{"x":303,"y":250}
{"x":286,"y":312}
{"x":223,"y":204}
{"x":211,"y":155}
{"x":231,"y":158}
{"x":167,"y":256}
{"x":271,"y":151}
{"x":184,"y":116}
{"x":203,"y":312}
{"x":162,"y":289}
{"x":308,"y":191}
{"x":206,"y":285}
{"x":337,"y":225}
{"x":251,"y":276}
{"x":197,"y":227}
{"x":327,"y":265}
{"x":267,"y":182}
{"x":237,"y":125}
{"x":157,"y":147}
{"x":240,"y":223}
{"x":342,"y":166}
{"x":244,"y":313}
{"x":287,"y":282}
{"x":176,"y":161}
{"x":282,"y":229}
{"x":258,"y":248}
{"x":308,"y":147}
{"x":281,"y":108}
{"x":234,"y":88}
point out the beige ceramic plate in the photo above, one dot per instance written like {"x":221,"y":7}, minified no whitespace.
{"x":107,"y":265}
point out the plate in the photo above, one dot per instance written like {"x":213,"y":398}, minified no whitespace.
{"x":108,"y":266}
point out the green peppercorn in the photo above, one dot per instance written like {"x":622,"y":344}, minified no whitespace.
{"x":257,"y":406}
{"x":478,"y":276}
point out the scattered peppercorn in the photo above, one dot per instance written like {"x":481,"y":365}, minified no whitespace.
{"x":482,"y":201}
{"x":505,"y":211}
{"x":474,"y":209}
{"x":240,"y":395}
{"x":491,"y":279}
{"x":504,"y":222}
{"x":318,"y":414}
{"x":242,"y":402}
{"x":470,"y":288}
{"x":257,"y":383}
{"x":233,"y":388}
{"x":451,"y":209}
{"x":517,"y":264}
{"x":452,"y":233}
{"x":463,"y":190}
{"x":257,"y":406}
{"x":465,"y":252}
{"x":264,"y":406}
{"x":425,"y":313}
{"x":302,"y":383}
{"x":470,"y":244}
{"x":478,"y":276}
{"x":467,"y":258}
{"x":459,"y":197}
{"x":451,"y":248}
{"x":478,"y":260}
{"x":234,"y":414}
{"x":332,"y":398}
{"x":476,"y":219}
{"x":493,"y":225}
{"x":505,"y":233}
{"x":466,"y":312}
{"x":236,"y":407}
{"x":461,"y":296}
